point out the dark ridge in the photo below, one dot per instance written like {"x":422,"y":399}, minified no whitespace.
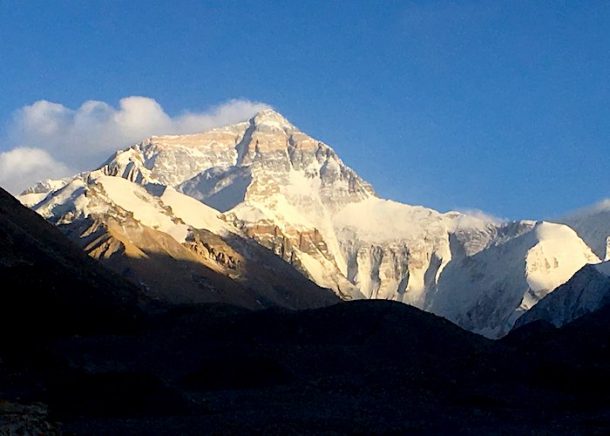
{"x":532,"y":333}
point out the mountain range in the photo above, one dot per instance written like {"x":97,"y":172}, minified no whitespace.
{"x":260,"y":214}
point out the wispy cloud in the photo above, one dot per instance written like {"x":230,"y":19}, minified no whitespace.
{"x":53,"y":139}
{"x":482,"y":215}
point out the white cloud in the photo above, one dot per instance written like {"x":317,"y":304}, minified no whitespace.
{"x":82,"y":138}
{"x":24,"y":166}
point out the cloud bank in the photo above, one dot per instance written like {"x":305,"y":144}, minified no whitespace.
{"x":50,"y":140}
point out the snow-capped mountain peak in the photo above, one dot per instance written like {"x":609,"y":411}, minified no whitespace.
{"x":269,"y":118}
{"x":293,"y":194}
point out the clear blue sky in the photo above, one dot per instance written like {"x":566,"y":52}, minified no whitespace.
{"x":498,"y":105}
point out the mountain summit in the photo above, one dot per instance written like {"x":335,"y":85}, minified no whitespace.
{"x":271,"y":119}
{"x":267,"y":181}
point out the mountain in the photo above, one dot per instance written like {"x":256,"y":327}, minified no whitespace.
{"x":589,"y":288}
{"x":271,"y":183}
{"x":49,"y":286}
{"x":489,"y":291}
{"x":587,"y":291}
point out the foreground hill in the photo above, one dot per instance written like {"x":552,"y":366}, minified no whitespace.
{"x":378,"y":365}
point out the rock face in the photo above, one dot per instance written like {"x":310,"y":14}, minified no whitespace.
{"x":292,"y":194}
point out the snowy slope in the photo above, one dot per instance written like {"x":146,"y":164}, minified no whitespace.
{"x":106,"y":195}
{"x":396,"y":251}
{"x":487,"y":292}
{"x":194,"y":212}
{"x":392,"y":251}
{"x":587,"y":291}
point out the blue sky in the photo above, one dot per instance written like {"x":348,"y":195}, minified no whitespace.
{"x":497,"y":105}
